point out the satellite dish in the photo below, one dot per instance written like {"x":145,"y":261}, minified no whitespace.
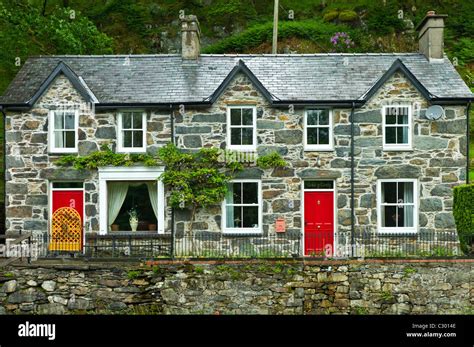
{"x":434,"y":112}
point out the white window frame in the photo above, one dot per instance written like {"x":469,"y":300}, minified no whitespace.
{"x":120,"y":147}
{"x":135,"y":173}
{"x":313,"y":147}
{"x":51,"y":131}
{"x":398,"y":230}
{"x":258,"y":230}
{"x":252,"y":147}
{"x":398,"y":146}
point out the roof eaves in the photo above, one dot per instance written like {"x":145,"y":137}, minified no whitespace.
{"x":317,"y":103}
{"x":451,"y":101}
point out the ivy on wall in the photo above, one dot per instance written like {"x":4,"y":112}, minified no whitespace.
{"x":195,"y":179}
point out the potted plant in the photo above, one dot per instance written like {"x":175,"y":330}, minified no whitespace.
{"x":115,"y":227}
{"x":133,"y":218}
{"x":152,"y":227}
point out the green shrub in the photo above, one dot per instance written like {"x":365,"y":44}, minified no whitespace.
{"x":331,"y":15}
{"x":314,"y":30}
{"x":271,"y":160}
{"x":133,"y":274}
{"x":463,"y":211}
{"x":348,"y":16}
{"x":384,"y":20}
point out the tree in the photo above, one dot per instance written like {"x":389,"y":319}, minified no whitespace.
{"x":26,"y":32}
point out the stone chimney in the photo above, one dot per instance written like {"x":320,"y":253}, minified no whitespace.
{"x":190,"y":37}
{"x":430,"y":36}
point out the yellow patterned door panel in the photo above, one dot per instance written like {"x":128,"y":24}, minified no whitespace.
{"x":66,"y":230}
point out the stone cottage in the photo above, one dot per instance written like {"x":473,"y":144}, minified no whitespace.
{"x":374,"y":143}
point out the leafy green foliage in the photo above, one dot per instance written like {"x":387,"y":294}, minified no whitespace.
{"x":384,"y":19}
{"x":26,"y":32}
{"x":105,"y":158}
{"x":463,"y":50}
{"x":330,"y":15}
{"x":270,"y":160}
{"x":132,"y":274}
{"x":314,"y":30}
{"x":196,"y":179}
{"x":348,"y":16}
{"x":463,"y":211}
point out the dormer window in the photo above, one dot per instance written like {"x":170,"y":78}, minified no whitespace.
{"x":131,"y":132}
{"x":63,"y":131}
{"x":242,"y":128}
{"x":318,"y":134}
{"x":397,"y":128}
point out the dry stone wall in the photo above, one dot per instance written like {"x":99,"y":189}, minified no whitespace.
{"x":241,"y":288}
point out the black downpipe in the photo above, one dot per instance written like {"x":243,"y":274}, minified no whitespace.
{"x":3,"y":222}
{"x":468,"y":109}
{"x":172,"y":251}
{"x":352,"y":179}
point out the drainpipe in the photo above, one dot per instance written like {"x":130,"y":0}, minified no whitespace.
{"x":172,"y":208}
{"x":4,"y":167}
{"x":468,"y":108}
{"x":352,"y":179}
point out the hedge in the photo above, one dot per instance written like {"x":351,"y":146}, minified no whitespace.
{"x":464,"y":213}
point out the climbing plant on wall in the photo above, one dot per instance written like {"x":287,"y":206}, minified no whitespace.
{"x":194,"y":179}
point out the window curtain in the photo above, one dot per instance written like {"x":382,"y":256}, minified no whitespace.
{"x":153,"y":194}
{"x":59,"y":139}
{"x":117,"y":192}
{"x":408,"y":198}
{"x":229,"y":212}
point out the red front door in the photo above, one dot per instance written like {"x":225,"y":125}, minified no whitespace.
{"x":318,"y":223}
{"x":67,"y":224}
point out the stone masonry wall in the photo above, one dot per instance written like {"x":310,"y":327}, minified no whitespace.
{"x":437,"y":160}
{"x":30,"y":167}
{"x":241,"y":288}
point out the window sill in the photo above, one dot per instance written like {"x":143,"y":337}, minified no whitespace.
{"x":395,"y":232}
{"x":397,"y":149}
{"x":242,"y":149}
{"x":318,"y":149}
{"x":126,"y":150}
{"x":242,"y":232}
{"x":57,"y":151}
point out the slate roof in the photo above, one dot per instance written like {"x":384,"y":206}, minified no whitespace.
{"x":293,"y":77}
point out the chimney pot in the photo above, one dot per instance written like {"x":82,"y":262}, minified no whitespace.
{"x":430,"y":36}
{"x":190,"y":37}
